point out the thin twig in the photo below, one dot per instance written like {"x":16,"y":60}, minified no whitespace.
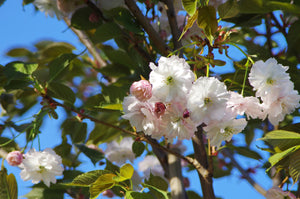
{"x":153,"y":35}
{"x":88,"y":44}
{"x":269,"y":33}
{"x":245,"y":174}
{"x":142,"y":137}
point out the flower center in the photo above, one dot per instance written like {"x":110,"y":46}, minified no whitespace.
{"x":207,"y":100}
{"x":228,"y":131}
{"x":270,"y":81}
{"x":170,"y":80}
{"x":42,"y":169}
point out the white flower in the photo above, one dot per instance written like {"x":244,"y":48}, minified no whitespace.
{"x":277,"y":193}
{"x":171,"y":79}
{"x":248,"y":105}
{"x":178,"y":122}
{"x":264,"y":76}
{"x":49,"y":7}
{"x":120,"y":152}
{"x":219,"y":131}
{"x":142,"y":116}
{"x":37,"y":166}
{"x":151,"y":164}
{"x":279,"y":102}
{"x":207,"y":100}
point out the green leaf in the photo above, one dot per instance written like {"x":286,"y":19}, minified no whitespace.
{"x":12,"y":186}
{"x":245,"y":151}
{"x":193,"y":195}
{"x":76,"y":129}
{"x":61,"y":91}
{"x":94,"y":155}
{"x":118,"y":56}
{"x":158,"y":192}
{"x":115,"y":107}
{"x":293,"y":38}
{"x":126,"y":172}
{"x":157,"y":182}
{"x":294,"y":166}
{"x":57,"y":48}
{"x":58,"y":65}
{"x":252,"y":6}
{"x":189,"y":24}
{"x":281,"y":139}
{"x":207,"y":21}
{"x":104,"y":182}
{"x":277,"y":157}
{"x":18,"y":70}
{"x":288,"y":7}
{"x":18,"y":52}
{"x":106,"y":32}
{"x":138,"y":148}
{"x":190,"y":6}
{"x":137,"y":195}
{"x":229,"y":9}
{"x":86,"y":179}
{"x":217,"y":62}
{"x":80,"y":19}
{"x":10,"y":145}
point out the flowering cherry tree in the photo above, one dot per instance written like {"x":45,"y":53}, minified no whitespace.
{"x":158,"y":89}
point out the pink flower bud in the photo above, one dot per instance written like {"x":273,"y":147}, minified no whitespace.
{"x":142,"y":90}
{"x":159,"y":109}
{"x":94,"y":17}
{"x":14,"y":158}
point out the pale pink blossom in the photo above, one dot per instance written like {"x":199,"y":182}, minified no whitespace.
{"x":245,"y":105}
{"x":279,"y":103}
{"x":120,"y":152}
{"x":14,"y":158}
{"x":277,"y":193}
{"x":49,"y":7}
{"x":171,"y":79}
{"x":265,"y":76}
{"x":142,"y":90}
{"x":207,"y":100}
{"x":218,"y":131}
{"x":178,"y":122}
{"x":41,"y":165}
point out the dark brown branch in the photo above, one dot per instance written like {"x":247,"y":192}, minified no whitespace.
{"x":153,"y":35}
{"x":280,"y":28}
{"x":173,"y":23}
{"x":201,"y":157}
{"x":142,"y":137}
{"x":298,"y":190}
{"x":269,"y":33}
{"x":245,"y":174}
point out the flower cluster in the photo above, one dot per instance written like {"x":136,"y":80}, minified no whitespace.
{"x":41,"y":165}
{"x":173,"y":104}
{"x":274,"y":87}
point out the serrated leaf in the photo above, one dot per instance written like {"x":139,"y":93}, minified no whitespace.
{"x":158,"y":182}
{"x":190,"y":6}
{"x":126,"y":172}
{"x":80,"y":19}
{"x":229,"y":9}
{"x":138,"y":148}
{"x":12,"y":186}
{"x":94,"y":155}
{"x":207,"y":21}
{"x":294,"y":166}
{"x":277,"y":157}
{"x":86,"y":179}
{"x":161,"y":193}
{"x":281,"y":139}
{"x":138,"y":195}
{"x":104,"y":182}
{"x":61,"y":91}
{"x":58,"y":65}
{"x":18,"y":70}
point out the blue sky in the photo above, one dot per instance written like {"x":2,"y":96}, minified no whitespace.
{"x":22,"y":27}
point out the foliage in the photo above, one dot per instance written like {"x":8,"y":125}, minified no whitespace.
{"x":120,"y":45}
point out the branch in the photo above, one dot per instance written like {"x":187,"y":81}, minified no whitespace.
{"x":268,"y":33}
{"x":245,"y":174}
{"x":154,"y":37}
{"x":88,"y":44}
{"x":141,"y":136}
{"x":173,"y":23}
{"x":201,"y":157}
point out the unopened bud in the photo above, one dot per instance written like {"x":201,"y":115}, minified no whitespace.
{"x":159,"y":109}
{"x":94,"y":17}
{"x":142,"y":90}
{"x":108,"y":193}
{"x":14,"y":158}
